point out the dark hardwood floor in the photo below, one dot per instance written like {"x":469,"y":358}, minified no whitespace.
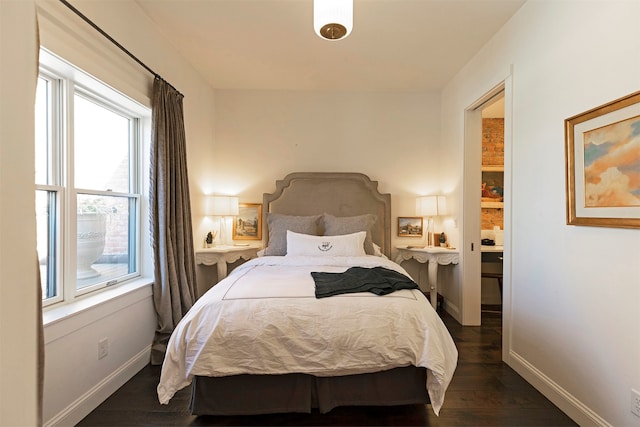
{"x":484,"y":392}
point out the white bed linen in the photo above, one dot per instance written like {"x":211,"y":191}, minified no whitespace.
{"x":264,"y":319}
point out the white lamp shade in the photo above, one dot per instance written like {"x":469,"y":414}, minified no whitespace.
{"x":431,"y":206}
{"x":442,"y":205}
{"x":222,"y":206}
{"x":328,"y":13}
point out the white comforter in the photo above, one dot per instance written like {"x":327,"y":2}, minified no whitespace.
{"x":264,"y":319}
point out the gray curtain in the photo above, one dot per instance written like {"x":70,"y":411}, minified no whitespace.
{"x":174,"y":287}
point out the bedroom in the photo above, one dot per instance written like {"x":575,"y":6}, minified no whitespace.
{"x":561,"y":275}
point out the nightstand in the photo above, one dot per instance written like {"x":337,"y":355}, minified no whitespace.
{"x":220,"y":256}
{"x":432,"y":256}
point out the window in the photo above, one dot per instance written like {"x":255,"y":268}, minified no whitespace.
{"x":88,"y":182}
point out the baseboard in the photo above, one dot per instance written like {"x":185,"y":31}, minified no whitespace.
{"x":453,"y":310}
{"x":569,"y":404}
{"x":86,"y":403}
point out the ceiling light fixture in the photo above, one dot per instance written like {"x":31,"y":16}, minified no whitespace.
{"x":333,"y":19}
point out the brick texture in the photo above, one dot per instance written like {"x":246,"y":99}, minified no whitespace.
{"x":493,"y":142}
{"x":492,"y":155}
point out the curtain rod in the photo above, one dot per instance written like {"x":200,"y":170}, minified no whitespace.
{"x":112,"y":40}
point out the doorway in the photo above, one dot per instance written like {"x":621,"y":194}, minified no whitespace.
{"x":492,"y":206}
{"x":471,"y":236}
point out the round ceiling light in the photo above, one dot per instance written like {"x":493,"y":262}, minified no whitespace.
{"x":333,"y":19}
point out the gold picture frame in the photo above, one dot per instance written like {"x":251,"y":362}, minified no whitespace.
{"x":410,"y":226}
{"x":602,"y":150}
{"x":247,"y":225}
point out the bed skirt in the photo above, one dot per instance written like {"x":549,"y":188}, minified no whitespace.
{"x":266,"y":394}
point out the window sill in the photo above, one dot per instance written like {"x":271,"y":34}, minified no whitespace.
{"x":125,"y":294}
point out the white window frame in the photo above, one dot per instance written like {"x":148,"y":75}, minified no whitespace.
{"x":69,"y":80}
{"x":55,"y":175}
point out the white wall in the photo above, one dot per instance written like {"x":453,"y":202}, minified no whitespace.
{"x":574,"y":294}
{"x":18,"y":303}
{"x":262,"y":136}
{"x":76,"y":381}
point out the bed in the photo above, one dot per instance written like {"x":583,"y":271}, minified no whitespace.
{"x":266,"y":340}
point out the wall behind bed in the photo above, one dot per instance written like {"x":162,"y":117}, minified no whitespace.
{"x":261,"y":136}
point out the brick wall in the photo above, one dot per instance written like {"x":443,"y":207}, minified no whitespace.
{"x":491,"y":218}
{"x":117,"y":239}
{"x":493,"y":155}
{"x":493,"y":142}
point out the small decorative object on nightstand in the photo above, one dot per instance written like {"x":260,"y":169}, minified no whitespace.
{"x":208,"y":241}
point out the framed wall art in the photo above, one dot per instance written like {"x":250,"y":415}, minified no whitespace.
{"x":248,"y":224}
{"x":409,"y":226}
{"x":602,"y":149}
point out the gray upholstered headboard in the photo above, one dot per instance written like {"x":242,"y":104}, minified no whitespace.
{"x":336,"y":193}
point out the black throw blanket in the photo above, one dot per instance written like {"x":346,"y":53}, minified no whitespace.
{"x":379,"y":280}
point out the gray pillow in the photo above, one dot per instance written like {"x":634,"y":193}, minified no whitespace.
{"x":278,"y":224}
{"x":335,"y":225}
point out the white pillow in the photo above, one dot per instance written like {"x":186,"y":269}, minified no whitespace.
{"x":344,"y":245}
{"x":377,"y":251}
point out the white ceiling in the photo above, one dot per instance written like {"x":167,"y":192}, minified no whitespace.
{"x":396,"y":45}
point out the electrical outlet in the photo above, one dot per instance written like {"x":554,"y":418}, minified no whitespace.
{"x":103,"y":348}
{"x":635,"y":402}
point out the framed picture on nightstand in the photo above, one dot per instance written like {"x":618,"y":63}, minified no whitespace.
{"x":409,"y":226}
{"x":248,"y":224}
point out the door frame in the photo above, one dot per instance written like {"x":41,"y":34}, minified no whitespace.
{"x":472,"y":179}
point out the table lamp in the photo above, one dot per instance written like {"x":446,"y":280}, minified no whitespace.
{"x":223,"y":207}
{"x":430,"y":207}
